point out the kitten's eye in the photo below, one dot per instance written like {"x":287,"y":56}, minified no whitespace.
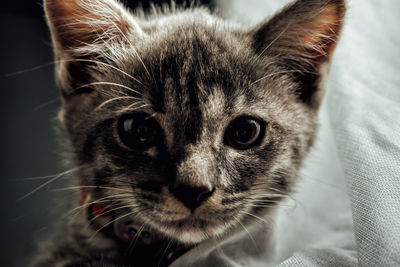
{"x":244,"y":133}
{"x":138,"y":131}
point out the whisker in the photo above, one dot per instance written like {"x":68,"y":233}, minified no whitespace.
{"x":132,"y":243}
{"x":268,"y":195}
{"x":260,"y":195}
{"x":274,"y":199}
{"x":273,"y":41}
{"x":247,"y":231}
{"x":73,"y":60}
{"x":255,"y":216}
{"x":132,"y":46}
{"x":104,"y":64}
{"x":271,"y":204}
{"x":30,"y":69}
{"x":115,"y":99}
{"x":219,"y":248}
{"x":109,"y":223}
{"x":107,"y":210}
{"x":100,"y":200}
{"x":48,"y":182}
{"x":152,"y":115}
{"x":72,"y":214}
{"x":41,"y":177}
{"x":129,"y":108}
{"x":89,"y":186}
{"x":263,"y":200}
{"x":54,"y":100}
{"x":271,"y":75}
{"x":108,"y":83}
{"x":169,"y":243}
{"x":261,"y":206}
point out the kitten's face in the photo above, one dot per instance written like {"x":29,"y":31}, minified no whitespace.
{"x":192,"y":129}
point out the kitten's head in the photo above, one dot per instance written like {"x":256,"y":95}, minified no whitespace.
{"x":190,"y":123}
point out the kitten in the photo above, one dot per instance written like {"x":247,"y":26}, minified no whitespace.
{"x":182,"y":125}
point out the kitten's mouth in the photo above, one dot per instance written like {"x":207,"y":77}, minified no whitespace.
{"x":189,"y":230}
{"x":186,"y":231}
{"x":131,"y":231}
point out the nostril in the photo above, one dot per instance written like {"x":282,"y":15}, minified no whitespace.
{"x":205,"y":194}
{"x":191,"y":196}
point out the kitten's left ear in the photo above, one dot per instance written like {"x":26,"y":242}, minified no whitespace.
{"x":85,"y":30}
{"x":302,"y":37}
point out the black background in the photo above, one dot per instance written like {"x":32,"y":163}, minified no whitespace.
{"x":29,"y":146}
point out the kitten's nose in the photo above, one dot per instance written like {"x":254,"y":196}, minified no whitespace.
{"x":191,"y":196}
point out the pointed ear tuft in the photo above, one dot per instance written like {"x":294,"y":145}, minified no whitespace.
{"x":77,"y":23}
{"x":86,"y":30}
{"x":320,"y":32}
{"x":303,"y":36}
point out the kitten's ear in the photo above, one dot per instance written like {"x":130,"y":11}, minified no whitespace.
{"x":83,"y":31}
{"x":302,"y":36}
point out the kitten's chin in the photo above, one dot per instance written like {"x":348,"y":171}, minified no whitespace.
{"x":192,"y":237}
{"x":189,"y":234}
{"x":197,"y":236}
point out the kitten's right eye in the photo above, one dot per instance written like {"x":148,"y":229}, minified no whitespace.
{"x":138,"y":131}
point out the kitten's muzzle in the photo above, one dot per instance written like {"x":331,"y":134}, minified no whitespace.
{"x":191,"y":196}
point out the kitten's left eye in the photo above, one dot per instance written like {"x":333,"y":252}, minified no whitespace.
{"x":138,"y":131}
{"x":244,"y":133}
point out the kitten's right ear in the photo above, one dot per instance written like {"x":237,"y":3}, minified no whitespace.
{"x":83,"y":32}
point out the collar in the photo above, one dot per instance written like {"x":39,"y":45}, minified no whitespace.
{"x":144,"y":245}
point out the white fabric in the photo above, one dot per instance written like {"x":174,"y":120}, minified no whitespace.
{"x":346,"y":209}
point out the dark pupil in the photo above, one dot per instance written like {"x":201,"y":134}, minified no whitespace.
{"x":138,"y":131}
{"x":245,"y":132}
{"x":242,"y":135}
{"x":143,"y":132}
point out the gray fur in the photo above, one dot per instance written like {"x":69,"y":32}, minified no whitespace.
{"x":193,"y":73}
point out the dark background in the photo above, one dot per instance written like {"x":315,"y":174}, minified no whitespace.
{"x":29,"y":144}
